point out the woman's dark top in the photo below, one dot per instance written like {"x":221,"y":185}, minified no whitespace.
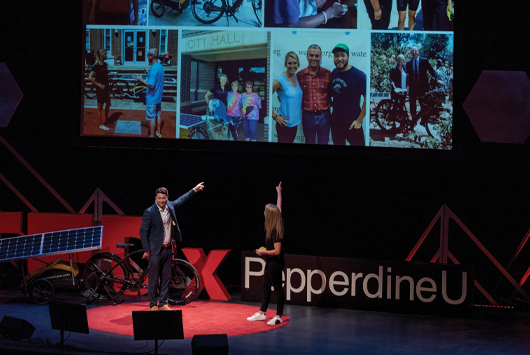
{"x":219,"y":93}
{"x":395,"y":76}
{"x":102,"y":78}
{"x":269,"y":244}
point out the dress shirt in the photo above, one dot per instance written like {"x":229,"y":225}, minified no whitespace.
{"x":166,"y":220}
{"x":315,"y":88}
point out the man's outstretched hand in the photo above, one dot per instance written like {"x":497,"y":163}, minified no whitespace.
{"x":199,"y":187}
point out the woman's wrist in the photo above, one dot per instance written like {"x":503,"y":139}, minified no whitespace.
{"x":328,"y":13}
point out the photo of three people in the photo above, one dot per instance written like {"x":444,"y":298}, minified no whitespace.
{"x":320,"y":88}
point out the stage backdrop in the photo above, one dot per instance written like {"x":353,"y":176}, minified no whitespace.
{"x":405,"y":287}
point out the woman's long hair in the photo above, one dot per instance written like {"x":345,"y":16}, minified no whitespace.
{"x":99,"y":56}
{"x":273,"y":221}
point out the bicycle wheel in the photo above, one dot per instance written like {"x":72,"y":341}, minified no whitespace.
{"x":185,"y":282}
{"x":208,"y":11}
{"x":42,"y":291}
{"x":257,"y":5}
{"x":384,"y":116}
{"x":157,"y":8}
{"x":198,"y":133}
{"x":431,"y":126}
{"x":105,"y":275}
{"x":119,"y":88}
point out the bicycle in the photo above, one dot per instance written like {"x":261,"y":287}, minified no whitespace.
{"x":209,"y":11}
{"x":117,"y":87}
{"x":158,"y":7}
{"x":106,"y":275}
{"x":219,"y":125}
{"x":393,"y":116}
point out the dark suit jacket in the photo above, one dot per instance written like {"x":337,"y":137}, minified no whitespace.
{"x":152,"y":228}
{"x":424,"y":67}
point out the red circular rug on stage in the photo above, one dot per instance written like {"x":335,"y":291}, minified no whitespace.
{"x":197,"y":318}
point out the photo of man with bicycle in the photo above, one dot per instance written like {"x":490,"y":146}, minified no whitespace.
{"x":237,"y":13}
{"x":130,"y":82}
{"x":409,"y":106}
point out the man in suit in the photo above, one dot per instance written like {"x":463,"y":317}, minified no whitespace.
{"x":158,"y":229}
{"x":417,"y":79}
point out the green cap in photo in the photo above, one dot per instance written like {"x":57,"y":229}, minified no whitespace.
{"x":340,"y":47}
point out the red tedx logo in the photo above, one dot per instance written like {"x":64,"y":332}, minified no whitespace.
{"x":207,"y":268}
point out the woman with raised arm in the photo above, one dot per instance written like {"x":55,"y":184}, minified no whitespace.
{"x":275,"y":260}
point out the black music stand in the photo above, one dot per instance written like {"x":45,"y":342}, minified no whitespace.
{"x":68,"y":316}
{"x":155,"y":325}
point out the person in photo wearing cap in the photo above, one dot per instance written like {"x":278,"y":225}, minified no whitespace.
{"x":316,"y":100}
{"x":379,"y":13}
{"x":348,"y":85}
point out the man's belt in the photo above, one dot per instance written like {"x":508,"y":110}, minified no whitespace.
{"x":316,"y":112}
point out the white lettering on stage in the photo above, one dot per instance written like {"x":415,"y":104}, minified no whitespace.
{"x":373,"y":285}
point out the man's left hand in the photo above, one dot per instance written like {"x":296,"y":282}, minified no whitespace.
{"x":199,"y":187}
{"x":356,"y":124}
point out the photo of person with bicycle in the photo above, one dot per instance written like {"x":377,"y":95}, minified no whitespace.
{"x":418,"y":70}
{"x":423,"y":118}
{"x":216,"y":102}
{"x":128,"y":60}
{"x":159,"y":230}
{"x":398,"y":81}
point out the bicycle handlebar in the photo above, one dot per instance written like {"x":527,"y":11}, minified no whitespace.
{"x":123,"y":245}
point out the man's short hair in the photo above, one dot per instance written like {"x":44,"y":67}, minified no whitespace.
{"x":153,"y":51}
{"x":161,"y":190}
{"x":315,"y":46}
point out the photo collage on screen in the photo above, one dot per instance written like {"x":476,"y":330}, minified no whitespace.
{"x":351,"y":72}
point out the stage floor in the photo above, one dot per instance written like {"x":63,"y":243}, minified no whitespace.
{"x":311,"y":330}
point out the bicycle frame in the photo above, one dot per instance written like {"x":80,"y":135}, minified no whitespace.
{"x":107,"y":275}
{"x":210,"y":11}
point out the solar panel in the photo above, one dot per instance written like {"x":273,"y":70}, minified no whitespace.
{"x":60,"y":242}
{"x":379,"y":95}
{"x":188,"y":121}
